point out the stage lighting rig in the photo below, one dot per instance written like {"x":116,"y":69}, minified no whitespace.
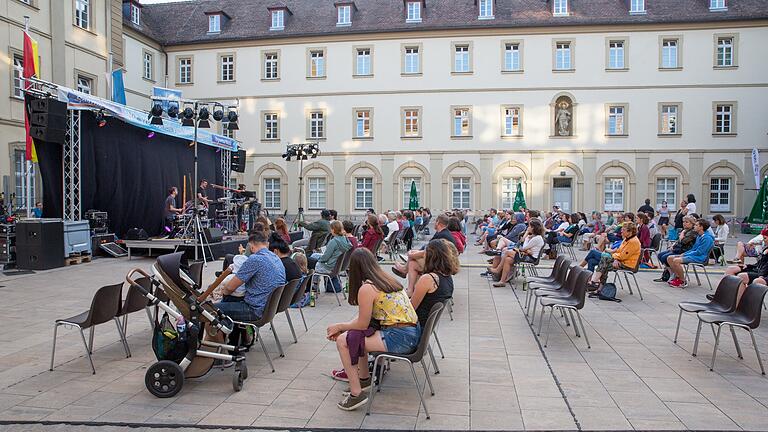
{"x":188,"y":117}
{"x":232,"y":119}
{"x":301,"y":152}
{"x":156,"y":113}
{"x":173,"y":110}
{"x":218,"y":112}
{"x":203,"y":117}
{"x":101,"y":120}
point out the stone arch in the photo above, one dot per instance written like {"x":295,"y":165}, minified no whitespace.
{"x":578,"y":198}
{"x":496,"y":180}
{"x":475,"y":182}
{"x":426,"y":186}
{"x":329,"y":187}
{"x":736,"y":190}
{"x":376,"y":185}
{"x":283,"y":182}
{"x":685,"y":179}
{"x":630,"y":180}
{"x":763,"y":172}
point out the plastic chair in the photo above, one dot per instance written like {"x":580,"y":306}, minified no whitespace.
{"x":746,"y":316}
{"x":702,"y":266}
{"x":724,"y":301}
{"x":270,"y":310}
{"x":568,"y":246}
{"x":134,"y":302}
{"x":298,"y":296}
{"x":326,"y":277}
{"x":531,"y":266}
{"x":572,"y":303}
{"x":415,"y":357}
{"x":289,"y":293}
{"x":563,"y":290}
{"x":653,"y":248}
{"x":104,"y":308}
{"x":627,"y":273}
{"x":555,"y":279}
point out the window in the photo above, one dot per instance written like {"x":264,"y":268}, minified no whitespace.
{"x":278,"y":20}
{"x":637,"y":6}
{"x":411,"y":122}
{"x":508,"y":191}
{"x":135,"y":14}
{"x":214,"y":23}
{"x":669,"y":119}
{"x":316,"y":64}
{"x":486,"y":9}
{"x":271,"y":126}
{"x":461,"y":59}
{"x":185,"y":70}
{"x":460,"y":198}
{"x":407,"y":190}
{"x":724,"y":123}
{"x":227,"y":67}
{"x":345,"y":15}
{"x":720,"y":195}
{"x":272,"y":193}
{"x":666,"y":190}
{"x":511,"y":121}
{"x":413,"y":12}
{"x":616,"y":54}
{"x":17,"y":75}
{"x":560,"y":7}
{"x":461,"y":122}
{"x":83,"y":13}
{"x":412,"y":61}
{"x":29,"y":2}
{"x":316,"y":125}
{"x":148,"y":65}
{"x":613,"y":193}
{"x":20,"y":171}
{"x":512,"y":59}
{"x":724,"y":56}
{"x":84,"y":84}
{"x":616,"y":120}
{"x":363,"y":62}
{"x":363,"y":123}
{"x":718,"y":5}
{"x":669,"y":54}
{"x":271,"y":68}
{"x":363,"y":193}
{"x":563,"y":56}
{"x":317,"y":191}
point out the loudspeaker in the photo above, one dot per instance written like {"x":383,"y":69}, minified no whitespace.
{"x":238,"y":161}
{"x":49,"y":106}
{"x":54,"y":121}
{"x":213,"y":235}
{"x":40,"y":244}
{"x":48,"y":134}
{"x":136,"y":234}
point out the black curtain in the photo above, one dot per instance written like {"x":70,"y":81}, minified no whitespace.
{"x":125,"y":173}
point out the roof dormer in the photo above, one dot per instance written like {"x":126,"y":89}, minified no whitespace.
{"x":132,"y":11}
{"x":216,"y":20}
{"x":414,"y":10}
{"x":344,"y":11}
{"x":485,"y":9}
{"x":278,"y":16}
{"x":718,"y":5}
{"x":561,"y":8}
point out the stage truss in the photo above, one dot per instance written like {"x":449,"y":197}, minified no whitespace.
{"x":71,"y":168}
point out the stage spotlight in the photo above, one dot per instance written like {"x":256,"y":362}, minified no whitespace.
{"x":173,"y":110}
{"x":218,"y":112}
{"x":101,"y":121}
{"x":188,"y":116}
{"x":232,"y":117}
{"x":314,"y":151}
{"x":156,"y":114}
{"x":203,"y":117}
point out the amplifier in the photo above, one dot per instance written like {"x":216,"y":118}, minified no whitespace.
{"x":100,"y":239}
{"x":48,"y":134}
{"x":48,"y":120}
{"x":40,"y":244}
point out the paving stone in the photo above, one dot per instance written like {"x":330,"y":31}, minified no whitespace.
{"x":389,"y":421}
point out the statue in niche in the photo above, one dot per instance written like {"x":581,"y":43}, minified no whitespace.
{"x":564,"y":116}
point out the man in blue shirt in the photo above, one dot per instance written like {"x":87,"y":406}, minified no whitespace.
{"x":261,"y":274}
{"x":698,"y":254}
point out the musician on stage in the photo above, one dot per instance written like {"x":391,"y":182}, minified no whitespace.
{"x":171,"y":210}
{"x":202,"y":195}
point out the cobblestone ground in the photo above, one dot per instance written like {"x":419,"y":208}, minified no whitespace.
{"x":495,"y":374}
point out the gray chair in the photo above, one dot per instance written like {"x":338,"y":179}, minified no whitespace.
{"x":702,"y":266}
{"x":554,"y":280}
{"x":415,"y":357}
{"x":285,"y":302}
{"x":629,"y":272}
{"x":269,"y":314}
{"x":134,"y":302}
{"x":653,"y":249}
{"x":563,"y":247}
{"x":104,"y":308}
{"x":574,"y":302}
{"x":724,"y":301}
{"x":298,"y":296}
{"x":531,"y":266}
{"x":563,"y":290}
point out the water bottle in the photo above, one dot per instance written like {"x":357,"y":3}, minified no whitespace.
{"x":181,"y":328}
{"x":346,"y":286}
{"x":312,"y":298}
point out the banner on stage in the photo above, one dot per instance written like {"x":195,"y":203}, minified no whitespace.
{"x":81,"y":101}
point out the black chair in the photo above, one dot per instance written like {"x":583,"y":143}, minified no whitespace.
{"x":285,"y":302}
{"x":746,"y":316}
{"x":724,"y":301}
{"x":104,"y":308}
{"x":298,"y":296}
{"x":653,"y":248}
{"x":269,"y":314}
{"x":531,"y":266}
{"x":702,"y":266}
{"x":567,"y":246}
{"x":572,"y":303}
{"x":415,"y":357}
{"x":134,"y":302}
{"x":564,"y":290}
{"x":559,"y":274}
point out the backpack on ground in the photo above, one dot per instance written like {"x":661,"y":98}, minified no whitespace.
{"x":608,"y":292}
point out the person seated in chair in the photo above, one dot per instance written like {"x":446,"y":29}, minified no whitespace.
{"x":279,"y":247}
{"x":326,"y":262}
{"x":320,"y":230}
{"x":527,"y":252}
{"x":684,"y":244}
{"x":752,"y":249}
{"x":624,"y":258}
{"x":414,"y":266}
{"x":698,"y":254}
{"x":748,"y":274}
{"x":441,"y":262}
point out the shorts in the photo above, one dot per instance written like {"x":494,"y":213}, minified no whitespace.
{"x":664,"y":220}
{"x":752,"y":276}
{"x":687,"y":260}
{"x":401,"y":340}
{"x":524,"y":258}
{"x":750,"y":250}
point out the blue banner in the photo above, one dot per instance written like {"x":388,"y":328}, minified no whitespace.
{"x":118,"y":87}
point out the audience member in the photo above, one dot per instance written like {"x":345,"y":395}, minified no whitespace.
{"x":698,"y":254}
{"x":454,"y":227}
{"x":281,"y":228}
{"x":687,"y":239}
{"x":721,"y":232}
{"x":757,"y":272}
{"x":441,"y":262}
{"x":751,"y":249}
{"x":663,"y":223}
{"x":372,"y":234}
{"x":349,"y":227}
{"x":337,"y":246}
{"x":624,"y":258}
{"x":279,"y":247}
{"x":319,"y":228}
{"x":533,"y":242}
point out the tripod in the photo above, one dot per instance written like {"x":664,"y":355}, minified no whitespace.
{"x":194,"y":230}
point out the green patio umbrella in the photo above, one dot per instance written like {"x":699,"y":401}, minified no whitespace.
{"x":413,"y":201}
{"x":759,"y":213}
{"x":519,"y":199}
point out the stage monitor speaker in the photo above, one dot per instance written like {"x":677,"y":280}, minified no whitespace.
{"x":213,"y":235}
{"x":48,"y":134}
{"x":136,"y":234}
{"x":40,"y":244}
{"x":48,"y":120}
{"x":238,"y":161}
{"x":49,"y":106}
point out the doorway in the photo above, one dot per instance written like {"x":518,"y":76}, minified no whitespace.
{"x":562,"y":193}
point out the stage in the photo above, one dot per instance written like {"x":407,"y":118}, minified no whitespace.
{"x":228,"y":245}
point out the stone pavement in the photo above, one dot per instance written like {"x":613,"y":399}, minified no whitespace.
{"x":495,"y":375}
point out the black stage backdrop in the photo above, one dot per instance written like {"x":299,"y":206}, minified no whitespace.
{"x":125,"y":173}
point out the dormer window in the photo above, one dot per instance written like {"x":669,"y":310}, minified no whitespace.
{"x":560,"y":7}
{"x":278,"y":20}
{"x":214,"y":23}
{"x":718,"y":5}
{"x":135,"y":14}
{"x":486,"y":9}
{"x":344,"y":13}
{"x":636,"y":7}
{"x":413,"y":12}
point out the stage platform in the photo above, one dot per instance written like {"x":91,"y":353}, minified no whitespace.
{"x":162,"y":246}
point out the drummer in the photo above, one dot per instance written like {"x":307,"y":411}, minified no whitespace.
{"x":171,"y":210}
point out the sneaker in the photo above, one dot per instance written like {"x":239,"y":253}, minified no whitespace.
{"x":710,"y":297}
{"x":484,"y":274}
{"x":339,"y":375}
{"x":364,"y":383}
{"x":677,"y":283}
{"x":351,"y":402}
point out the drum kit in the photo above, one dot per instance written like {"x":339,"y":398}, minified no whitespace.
{"x":231,"y":214}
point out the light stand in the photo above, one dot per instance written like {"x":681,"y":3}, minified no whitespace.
{"x":301,"y":152}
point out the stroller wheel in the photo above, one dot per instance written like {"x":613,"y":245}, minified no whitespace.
{"x":237,"y":380}
{"x":243,"y":366}
{"x":164,"y":379}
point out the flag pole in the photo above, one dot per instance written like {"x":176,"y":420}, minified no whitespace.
{"x":28,"y":174}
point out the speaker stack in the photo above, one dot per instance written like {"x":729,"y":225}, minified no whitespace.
{"x":48,"y":120}
{"x":238,"y":161}
{"x":40,"y":244}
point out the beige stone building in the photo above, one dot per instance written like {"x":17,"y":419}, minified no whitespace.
{"x":589,"y":104}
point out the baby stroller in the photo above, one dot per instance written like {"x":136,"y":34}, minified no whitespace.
{"x":182,"y":352}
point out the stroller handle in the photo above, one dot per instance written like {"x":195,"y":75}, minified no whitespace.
{"x":136,"y":270}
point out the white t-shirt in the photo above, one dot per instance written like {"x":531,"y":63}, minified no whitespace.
{"x":721,"y":233}
{"x":563,"y":226}
{"x":691,"y":208}
{"x":533,"y":245}
{"x":393,"y":228}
